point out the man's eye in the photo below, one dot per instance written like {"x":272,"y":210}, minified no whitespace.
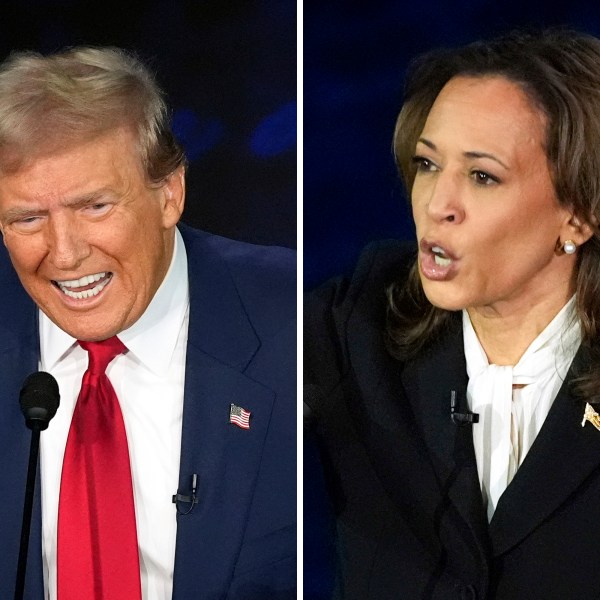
{"x":25,"y":223}
{"x":98,"y":208}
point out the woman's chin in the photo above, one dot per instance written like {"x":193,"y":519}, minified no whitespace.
{"x":442,"y":297}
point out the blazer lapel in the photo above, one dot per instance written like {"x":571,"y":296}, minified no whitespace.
{"x":429,"y":381}
{"x":415,"y":448}
{"x":225,"y":457}
{"x":561,"y":457}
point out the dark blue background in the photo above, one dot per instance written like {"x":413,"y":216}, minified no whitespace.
{"x":355,"y":57}
{"x":229,"y":70}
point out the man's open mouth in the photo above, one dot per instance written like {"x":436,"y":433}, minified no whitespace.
{"x":85,"y":287}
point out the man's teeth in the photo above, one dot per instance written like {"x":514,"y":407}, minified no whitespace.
{"x":85,"y":280}
{"x":67,"y":287}
{"x":440,"y":258}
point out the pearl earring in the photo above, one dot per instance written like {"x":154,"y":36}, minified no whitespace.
{"x":569,"y":247}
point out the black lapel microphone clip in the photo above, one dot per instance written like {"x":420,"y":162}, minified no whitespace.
{"x":461,"y":419}
{"x":191,"y":500}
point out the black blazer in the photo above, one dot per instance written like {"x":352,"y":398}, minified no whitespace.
{"x":402,"y":476}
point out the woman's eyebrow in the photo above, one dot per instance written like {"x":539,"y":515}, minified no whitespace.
{"x":468,"y":154}
{"x":476,"y":154}
{"x":428,"y":143}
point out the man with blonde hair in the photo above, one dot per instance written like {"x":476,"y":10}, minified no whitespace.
{"x":169,"y":469}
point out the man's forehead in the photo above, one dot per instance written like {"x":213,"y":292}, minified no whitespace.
{"x":15,"y":156}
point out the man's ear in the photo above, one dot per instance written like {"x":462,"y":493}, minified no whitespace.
{"x":173,"y":197}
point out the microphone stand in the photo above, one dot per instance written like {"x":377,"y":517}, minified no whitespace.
{"x":39,"y":399}
{"x":27,"y":510}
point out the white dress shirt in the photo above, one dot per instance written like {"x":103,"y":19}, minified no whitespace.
{"x":149,"y":382}
{"x":510,"y":418}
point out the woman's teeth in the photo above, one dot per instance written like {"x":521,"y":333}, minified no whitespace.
{"x":440,"y":257}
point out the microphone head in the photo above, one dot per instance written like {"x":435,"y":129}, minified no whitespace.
{"x":39,"y":399}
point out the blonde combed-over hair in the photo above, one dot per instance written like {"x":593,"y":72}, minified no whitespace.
{"x":49,"y":102}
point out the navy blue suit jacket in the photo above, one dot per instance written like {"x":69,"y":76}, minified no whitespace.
{"x":238,"y":543}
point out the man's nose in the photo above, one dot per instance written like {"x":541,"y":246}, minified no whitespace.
{"x":67,"y":246}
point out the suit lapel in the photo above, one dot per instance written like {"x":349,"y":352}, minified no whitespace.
{"x":225,"y":457}
{"x":561,"y":457}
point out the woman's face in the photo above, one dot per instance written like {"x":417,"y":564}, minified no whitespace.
{"x":486,"y":213}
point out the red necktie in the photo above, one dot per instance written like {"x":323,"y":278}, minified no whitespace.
{"x":97,"y":556}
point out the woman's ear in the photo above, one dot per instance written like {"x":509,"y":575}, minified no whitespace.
{"x":577,"y":230}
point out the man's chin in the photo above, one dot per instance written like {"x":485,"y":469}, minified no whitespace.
{"x":86,"y":329}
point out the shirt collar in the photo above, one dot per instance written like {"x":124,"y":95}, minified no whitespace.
{"x":153,"y":337}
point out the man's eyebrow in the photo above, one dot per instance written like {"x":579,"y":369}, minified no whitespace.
{"x":23,"y":212}
{"x":87,"y":199}
{"x":16,"y":213}
{"x":469,"y":154}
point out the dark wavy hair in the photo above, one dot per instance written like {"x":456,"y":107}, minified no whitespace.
{"x":559,"y":71}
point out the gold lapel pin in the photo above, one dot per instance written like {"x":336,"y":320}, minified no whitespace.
{"x":592,"y":416}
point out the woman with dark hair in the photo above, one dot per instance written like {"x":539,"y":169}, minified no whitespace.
{"x":449,"y":388}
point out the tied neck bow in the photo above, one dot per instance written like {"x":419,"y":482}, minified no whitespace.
{"x":502,"y":436}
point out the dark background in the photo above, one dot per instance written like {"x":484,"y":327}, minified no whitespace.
{"x":355,"y":57}
{"x":229,"y":70}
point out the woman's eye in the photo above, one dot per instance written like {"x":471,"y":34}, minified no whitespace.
{"x":483,"y":178}
{"x":424,"y":164}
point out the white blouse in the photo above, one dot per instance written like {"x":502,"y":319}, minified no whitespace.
{"x":510,"y":418}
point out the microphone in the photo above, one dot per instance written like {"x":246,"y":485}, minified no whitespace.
{"x":460,"y":419}
{"x":192,"y":500}
{"x":39,"y":400}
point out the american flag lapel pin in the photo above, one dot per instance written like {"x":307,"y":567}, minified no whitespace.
{"x":239,"y":416}
{"x":592,"y":416}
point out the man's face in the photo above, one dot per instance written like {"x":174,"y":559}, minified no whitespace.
{"x":89,"y":237}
